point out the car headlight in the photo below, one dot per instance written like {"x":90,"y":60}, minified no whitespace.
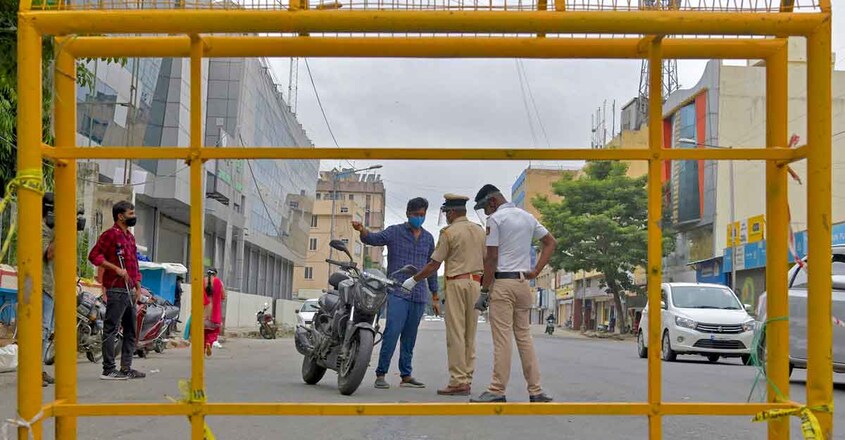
{"x":680,"y":321}
{"x":749,"y":326}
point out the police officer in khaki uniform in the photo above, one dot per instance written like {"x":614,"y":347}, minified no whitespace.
{"x":461,"y":247}
{"x":507,"y":271}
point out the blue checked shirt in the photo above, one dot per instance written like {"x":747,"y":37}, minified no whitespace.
{"x":402,"y":249}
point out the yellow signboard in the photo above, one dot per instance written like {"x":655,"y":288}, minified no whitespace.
{"x":750,"y":230}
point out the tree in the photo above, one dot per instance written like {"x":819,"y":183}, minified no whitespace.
{"x":601,"y":225}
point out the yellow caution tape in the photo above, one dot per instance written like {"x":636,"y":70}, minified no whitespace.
{"x":31,"y":180}
{"x":193,"y":396}
{"x":810,"y":427}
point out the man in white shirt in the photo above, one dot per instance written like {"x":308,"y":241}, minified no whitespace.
{"x":507,"y":270}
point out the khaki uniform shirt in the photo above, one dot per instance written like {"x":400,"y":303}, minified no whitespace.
{"x":461,"y":246}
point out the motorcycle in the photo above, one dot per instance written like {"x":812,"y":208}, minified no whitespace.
{"x":90,"y":313}
{"x":266,"y":323}
{"x":342,"y":334}
{"x":154,"y":318}
{"x":550,"y":327}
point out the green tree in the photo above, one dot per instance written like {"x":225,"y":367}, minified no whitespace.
{"x":601,"y":224}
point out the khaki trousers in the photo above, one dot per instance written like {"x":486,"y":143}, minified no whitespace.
{"x":461,"y":326}
{"x":510,"y":306}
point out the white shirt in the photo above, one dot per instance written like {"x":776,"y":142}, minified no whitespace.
{"x":513,"y":231}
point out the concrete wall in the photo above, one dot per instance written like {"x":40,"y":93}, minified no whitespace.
{"x":241,"y":308}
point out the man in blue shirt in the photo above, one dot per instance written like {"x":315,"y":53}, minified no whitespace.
{"x":407,"y":243}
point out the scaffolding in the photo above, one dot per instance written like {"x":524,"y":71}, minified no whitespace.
{"x":588,"y":29}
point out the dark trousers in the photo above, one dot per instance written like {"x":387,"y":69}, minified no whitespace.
{"x":120,"y":310}
{"x":403,"y":320}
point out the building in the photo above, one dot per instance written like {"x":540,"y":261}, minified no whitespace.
{"x":257,"y":211}
{"x":358,"y":197}
{"x":312,"y":276}
{"x":367,"y":190}
{"x":710,"y":199}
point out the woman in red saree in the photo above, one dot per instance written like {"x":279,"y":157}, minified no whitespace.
{"x":213,"y":302}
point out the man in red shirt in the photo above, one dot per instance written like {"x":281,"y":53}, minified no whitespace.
{"x":122,"y":281}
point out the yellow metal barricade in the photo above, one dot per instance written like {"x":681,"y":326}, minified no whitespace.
{"x":198,"y":31}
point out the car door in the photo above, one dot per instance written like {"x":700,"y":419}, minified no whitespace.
{"x":798,"y":313}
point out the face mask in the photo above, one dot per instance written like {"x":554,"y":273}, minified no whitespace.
{"x":416,"y":222}
{"x":131,"y":221}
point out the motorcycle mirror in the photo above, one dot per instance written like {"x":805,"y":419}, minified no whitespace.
{"x":338,"y":245}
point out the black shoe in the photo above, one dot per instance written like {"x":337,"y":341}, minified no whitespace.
{"x":488,"y":397}
{"x":540,"y":398}
{"x":381,"y":383}
{"x":410,"y":382}
{"x":113,"y":375}
{"x":46,"y":378}
{"x":132,"y":374}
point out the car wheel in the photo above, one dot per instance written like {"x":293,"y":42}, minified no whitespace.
{"x":713,"y":358}
{"x":642,"y":350}
{"x":669,"y":355}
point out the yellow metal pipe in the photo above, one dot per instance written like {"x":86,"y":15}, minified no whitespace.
{"x":29,"y":223}
{"x":197,"y":235}
{"x":422,"y":47}
{"x":198,"y":21}
{"x":655,"y":235}
{"x":486,"y":154}
{"x":819,"y":326}
{"x":412,"y":409}
{"x":65,"y":251}
{"x":777,"y":232}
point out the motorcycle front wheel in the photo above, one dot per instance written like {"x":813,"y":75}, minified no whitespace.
{"x":50,"y":354}
{"x":266,"y":332}
{"x":353,"y":369}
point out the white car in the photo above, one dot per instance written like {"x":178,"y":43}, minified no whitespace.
{"x":700,"y":319}
{"x":306,"y":312}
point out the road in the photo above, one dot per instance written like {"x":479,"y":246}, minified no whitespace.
{"x":574,"y":369}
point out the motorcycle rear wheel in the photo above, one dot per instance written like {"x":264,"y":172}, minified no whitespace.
{"x":311,"y":371}
{"x":266,"y":332}
{"x":349,"y":376}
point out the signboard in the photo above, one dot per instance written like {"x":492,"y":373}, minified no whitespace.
{"x":750,"y":230}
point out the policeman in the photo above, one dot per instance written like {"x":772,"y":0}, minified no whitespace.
{"x":507,"y":271}
{"x":461,"y":247}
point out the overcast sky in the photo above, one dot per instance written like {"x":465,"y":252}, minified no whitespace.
{"x":466,"y":104}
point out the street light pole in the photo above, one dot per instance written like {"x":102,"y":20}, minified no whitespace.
{"x":732,"y":203}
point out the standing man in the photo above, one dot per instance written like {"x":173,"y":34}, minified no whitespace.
{"x":507,"y":270}
{"x":122,"y":281}
{"x":407,"y":243}
{"x":48,"y":284}
{"x":461,"y":247}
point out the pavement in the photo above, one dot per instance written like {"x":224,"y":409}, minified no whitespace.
{"x":574,"y":368}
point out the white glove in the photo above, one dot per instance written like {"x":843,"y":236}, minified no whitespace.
{"x":409,"y":284}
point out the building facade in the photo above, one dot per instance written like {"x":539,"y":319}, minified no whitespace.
{"x":257,"y":211}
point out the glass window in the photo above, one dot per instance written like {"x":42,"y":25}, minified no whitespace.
{"x":312,"y":245}
{"x":309,"y":306}
{"x":701,"y":297}
{"x":837,"y":268}
{"x":314,"y":221}
{"x":309,"y":273}
{"x":689,"y":198}
{"x":344,"y":209}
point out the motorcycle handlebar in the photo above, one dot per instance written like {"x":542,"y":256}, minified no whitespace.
{"x":347,"y":264}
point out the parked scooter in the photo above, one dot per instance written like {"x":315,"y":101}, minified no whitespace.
{"x":153,"y":321}
{"x":90,"y":312}
{"x":266,"y":323}
{"x":342,"y":335}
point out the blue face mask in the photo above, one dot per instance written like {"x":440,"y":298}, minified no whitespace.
{"x":416,"y":222}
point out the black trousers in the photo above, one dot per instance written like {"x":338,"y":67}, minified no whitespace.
{"x":120,"y":310}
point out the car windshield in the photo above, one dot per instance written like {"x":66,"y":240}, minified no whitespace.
{"x":837,"y":268}
{"x":309,"y":306}
{"x":704,"y":297}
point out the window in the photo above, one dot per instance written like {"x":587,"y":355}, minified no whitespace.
{"x":313,"y":221}
{"x":294,"y":204}
{"x":344,"y":209}
{"x":312,"y":245}
{"x":351,"y":196}
{"x":319,"y":196}
{"x":590,"y":282}
{"x":309,"y":273}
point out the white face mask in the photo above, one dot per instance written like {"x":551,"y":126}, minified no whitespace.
{"x":442,"y":221}
{"x":482,"y":217}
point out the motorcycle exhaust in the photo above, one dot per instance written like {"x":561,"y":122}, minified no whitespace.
{"x":303,"y":341}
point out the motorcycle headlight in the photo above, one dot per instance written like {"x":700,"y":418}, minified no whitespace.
{"x":368,"y":300}
{"x":749,"y":326}
{"x":680,"y":321}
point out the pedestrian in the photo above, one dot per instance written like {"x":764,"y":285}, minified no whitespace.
{"x":47,"y":282}
{"x":461,"y":247}
{"x":505,"y":287}
{"x":407,"y":243}
{"x":116,"y":253}
{"x":213,"y":301}
{"x":177,"y":301}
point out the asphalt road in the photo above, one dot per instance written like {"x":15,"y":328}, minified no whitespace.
{"x":573,"y":368}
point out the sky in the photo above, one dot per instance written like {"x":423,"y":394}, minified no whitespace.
{"x":390,"y":103}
